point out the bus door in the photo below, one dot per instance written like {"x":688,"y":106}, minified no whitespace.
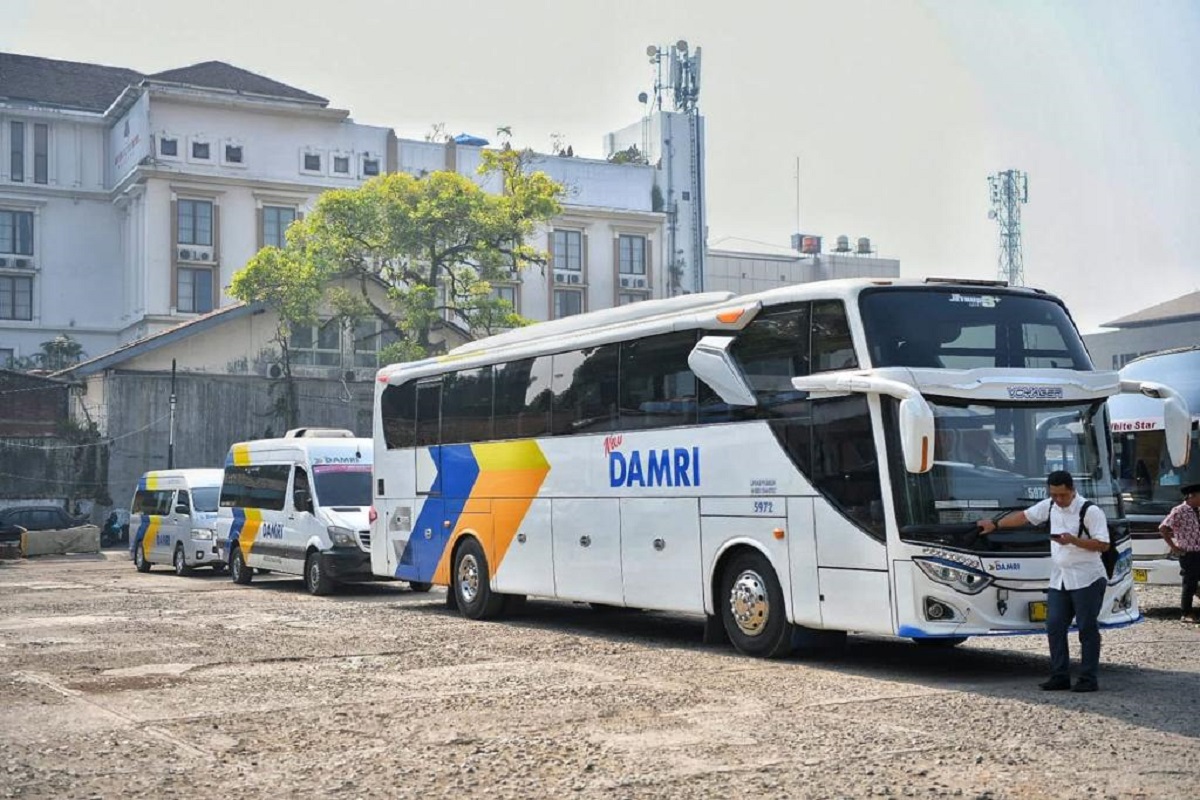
{"x":429,"y":534}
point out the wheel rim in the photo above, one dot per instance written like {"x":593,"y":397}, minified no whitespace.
{"x":314,"y":573}
{"x":468,"y":578}
{"x":138,"y":558}
{"x":749,"y":603}
{"x":236,"y":569}
{"x":179,"y":562}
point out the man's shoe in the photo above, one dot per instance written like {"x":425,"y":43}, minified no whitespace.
{"x":1189,"y":618}
{"x":1085,"y":686}
{"x":1056,"y":685}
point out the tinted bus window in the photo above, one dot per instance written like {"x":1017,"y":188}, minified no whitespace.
{"x":467,"y":406}
{"x":845,"y":467}
{"x":429,"y":413}
{"x":657,"y":388}
{"x":522,"y":398}
{"x":832,"y":347}
{"x":398,"y":412}
{"x":585,"y":391}
{"x":773,"y":349}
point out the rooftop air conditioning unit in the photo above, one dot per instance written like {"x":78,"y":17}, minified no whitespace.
{"x":319,"y":433}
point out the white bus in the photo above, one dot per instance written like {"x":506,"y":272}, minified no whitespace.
{"x":809,"y":458}
{"x":1150,"y":484}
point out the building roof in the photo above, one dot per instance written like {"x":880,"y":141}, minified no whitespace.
{"x":64,"y":84}
{"x":736,"y":245}
{"x":94,"y":87}
{"x":151,"y":343}
{"x":219,"y":75}
{"x":1181,"y":309}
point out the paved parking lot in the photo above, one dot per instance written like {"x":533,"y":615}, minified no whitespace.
{"x":121,"y":684}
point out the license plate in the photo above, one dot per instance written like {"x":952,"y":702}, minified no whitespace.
{"x":1037,"y":612}
{"x":1141,"y":575}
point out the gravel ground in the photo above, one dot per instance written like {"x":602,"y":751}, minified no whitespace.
{"x":120,"y":684}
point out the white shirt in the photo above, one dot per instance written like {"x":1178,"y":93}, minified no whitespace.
{"x":1072,"y":567}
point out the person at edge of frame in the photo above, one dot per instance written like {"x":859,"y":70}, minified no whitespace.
{"x":1077,"y":577}
{"x":1181,"y":531}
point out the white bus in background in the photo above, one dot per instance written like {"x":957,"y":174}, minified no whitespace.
{"x":809,"y":458}
{"x":1150,"y":484}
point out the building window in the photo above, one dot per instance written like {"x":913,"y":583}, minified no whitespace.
{"x":233,"y":154}
{"x":41,"y":153}
{"x":195,"y":222}
{"x":7,"y":356}
{"x":276,"y":220}
{"x":625,"y":298}
{"x":632,"y":259}
{"x":16,"y":297}
{"x":200,"y":151}
{"x":16,"y":233}
{"x":195,"y":291}
{"x":370,"y":167}
{"x":319,"y":345}
{"x":506,"y":293}
{"x":312,"y":162}
{"x":168,"y":148}
{"x":341,"y":165}
{"x":369,"y":339}
{"x":16,"y":143}
{"x":567,"y":250}
{"x":567,"y":302}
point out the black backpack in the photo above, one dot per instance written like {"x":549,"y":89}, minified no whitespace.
{"x":1109,"y":556}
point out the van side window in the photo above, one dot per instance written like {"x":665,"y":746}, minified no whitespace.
{"x":262,"y":487}
{"x":148,"y":501}
{"x":182,"y":499}
{"x":300,"y":484}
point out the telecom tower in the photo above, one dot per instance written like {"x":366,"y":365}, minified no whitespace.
{"x":1009,"y":191}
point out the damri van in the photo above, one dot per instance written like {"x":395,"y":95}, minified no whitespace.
{"x":172,"y":518}
{"x":298,"y":505}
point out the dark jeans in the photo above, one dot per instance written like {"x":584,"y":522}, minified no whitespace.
{"x":1084,"y":606}
{"x":1189,"y":567}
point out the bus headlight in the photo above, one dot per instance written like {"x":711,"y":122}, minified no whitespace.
{"x":342,"y":536}
{"x":202,"y":533}
{"x":958,"y":577}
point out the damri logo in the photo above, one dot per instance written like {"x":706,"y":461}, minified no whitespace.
{"x":676,"y":466}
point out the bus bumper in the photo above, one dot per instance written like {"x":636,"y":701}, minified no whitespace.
{"x":1157,"y":572}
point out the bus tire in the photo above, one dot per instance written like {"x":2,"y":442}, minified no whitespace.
{"x":139,"y":559}
{"x":238,"y":569}
{"x":179,"y":561}
{"x":315,"y":580}
{"x":420,"y":587}
{"x":940,"y":642}
{"x":752,"y":607}
{"x":472,"y":583}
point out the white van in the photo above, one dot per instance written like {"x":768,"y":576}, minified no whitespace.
{"x":298,"y":505}
{"x":172,"y":520}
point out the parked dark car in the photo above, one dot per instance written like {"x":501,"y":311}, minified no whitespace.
{"x":39,"y":518}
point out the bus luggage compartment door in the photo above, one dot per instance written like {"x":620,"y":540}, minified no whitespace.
{"x":587,"y":550}
{"x":660,"y":554}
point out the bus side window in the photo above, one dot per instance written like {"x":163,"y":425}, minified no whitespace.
{"x":773,"y":349}
{"x":522,"y":399}
{"x":398,"y":413}
{"x":429,"y":413}
{"x":585,"y":391}
{"x":658,"y":389}
{"x":467,"y":406}
{"x":832,"y":347}
{"x":845,"y":467}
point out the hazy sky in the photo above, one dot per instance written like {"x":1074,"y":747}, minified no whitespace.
{"x":897,"y":109}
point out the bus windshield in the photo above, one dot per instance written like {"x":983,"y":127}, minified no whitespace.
{"x":1149,"y":484}
{"x":992,"y":458}
{"x":343,"y":484}
{"x":955,"y":329}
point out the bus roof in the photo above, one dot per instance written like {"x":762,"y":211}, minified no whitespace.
{"x":716,"y":311}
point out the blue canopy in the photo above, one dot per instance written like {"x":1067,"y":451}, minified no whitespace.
{"x":468,"y":139}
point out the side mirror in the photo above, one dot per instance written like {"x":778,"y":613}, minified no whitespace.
{"x":1177,"y":419}
{"x":302,"y":500}
{"x":712,"y":363}
{"x":182,"y":509}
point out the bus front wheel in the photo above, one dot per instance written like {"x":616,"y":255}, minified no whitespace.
{"x":752,"y":607}
{"x":472,"y":583}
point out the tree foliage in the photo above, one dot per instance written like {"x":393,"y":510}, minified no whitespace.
{"x":434,"y":244}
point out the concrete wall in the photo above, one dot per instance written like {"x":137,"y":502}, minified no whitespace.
{"x":1114,"y":349}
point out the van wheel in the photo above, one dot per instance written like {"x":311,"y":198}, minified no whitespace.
{"x":238,"y":570}
{"x":139,"y":559}
{"x":315,"y":579}
{"x":472,"y":583}
{"x":420,"y":586}
{"x":180,"y":561}
{"x":752,"y":607}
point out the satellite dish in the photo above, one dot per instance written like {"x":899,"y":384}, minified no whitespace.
{"x":681,"y":45}
{"x":652,"y":50}
{"x":643,"y":97}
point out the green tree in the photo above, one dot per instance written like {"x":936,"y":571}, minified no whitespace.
{"x":292,"y":288}
{"x":57,"y":354}
{"x":434,"y":243}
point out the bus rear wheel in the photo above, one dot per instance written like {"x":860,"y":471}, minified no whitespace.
{"x":472,"y":583}
{"x":752,"y":607}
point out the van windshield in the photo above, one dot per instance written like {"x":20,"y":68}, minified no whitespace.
{"x":205,"y":498}
{"x":343,"y":484}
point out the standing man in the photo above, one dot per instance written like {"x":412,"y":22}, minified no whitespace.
{"x":1077,"y":577}
{"x":1181,"y":530}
